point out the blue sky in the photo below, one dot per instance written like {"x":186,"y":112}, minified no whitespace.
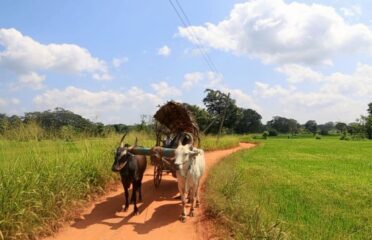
{"x":112,"y":61}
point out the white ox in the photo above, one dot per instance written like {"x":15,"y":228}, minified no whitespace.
{"x":190,"y":165}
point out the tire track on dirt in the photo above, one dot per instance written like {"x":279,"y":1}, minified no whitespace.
{"x":159,"y":212}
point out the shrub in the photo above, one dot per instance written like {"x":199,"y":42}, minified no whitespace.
{"x":273,"y":133}
{"x":318,"y":137}
{"x":265,"y":134}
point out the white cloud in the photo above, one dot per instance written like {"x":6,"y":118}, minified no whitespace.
{"x":31,"y":79}
{"x":15,"y":101}
{"x":106,"y":106}
{"x":352,"y":11}
{"x":215,"y":81}
{"x":10,"y":102}
{"x":279,"y":32}
{"x":297,"y":73}
{"x":164,"y":51}
{"x":118,"y":62}
{"x":2,"y":103}
{"x":23,"y":55}
{"x":337,"y":97}
{"x":163,"y":89}
{"x":191,"y":79}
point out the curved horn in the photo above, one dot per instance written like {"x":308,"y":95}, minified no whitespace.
{"x":180,"y":139}
{"x":135,"y":144}
{"x":191,"y":137}
{"x":122,"y":140}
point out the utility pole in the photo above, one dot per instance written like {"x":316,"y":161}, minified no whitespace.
{"x":223,"y":116}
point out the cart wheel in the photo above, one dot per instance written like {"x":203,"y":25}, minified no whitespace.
{"x":158,"y":171}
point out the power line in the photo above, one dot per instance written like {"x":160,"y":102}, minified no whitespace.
{"x":187,"y":23}
{"x":196,"y":37}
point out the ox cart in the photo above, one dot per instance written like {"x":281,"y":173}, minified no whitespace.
{"x":174,"y":124}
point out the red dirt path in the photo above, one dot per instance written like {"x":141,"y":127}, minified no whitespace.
{"x":158,"y":218}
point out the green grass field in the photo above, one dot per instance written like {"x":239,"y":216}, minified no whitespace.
{"x":296,"y":189}
{"x":42,"y":184}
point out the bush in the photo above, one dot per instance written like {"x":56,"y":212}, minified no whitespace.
{"x":265,"y":134}
{"x":273,"y":133}
{"x":318,"y":137}
{"x":345,"y":136}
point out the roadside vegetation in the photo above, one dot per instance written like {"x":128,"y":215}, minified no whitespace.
{"x":296,"y":189}
{"x":44,"y":183}
{"x":52,"y":162}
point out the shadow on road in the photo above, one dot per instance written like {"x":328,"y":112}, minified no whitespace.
{"x":163,"y":215}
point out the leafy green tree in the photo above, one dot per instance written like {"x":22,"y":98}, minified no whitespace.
{"x":369,"y":110}
{"x":216,"y":103}
{"x":283,"y":125}
{"x":55,"y":120}
{"x":249,"y":122}
{"x":368,"y":126}
{"x":326,"y":128}
{"x":341,"y":127}
{"x":202,"y":117}
{"x":311,"y":126}
{"x":4,"y":123}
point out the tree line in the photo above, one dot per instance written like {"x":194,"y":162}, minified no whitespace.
{"x":220,"y":112}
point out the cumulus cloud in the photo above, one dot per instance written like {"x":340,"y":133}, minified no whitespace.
{"x":31,"y":79}
{"x":191,"y":79}
{"x":25,"y":57}
{"x":2,"y":102}
{"x":297,"y":73}
{"x":283,"y":33}
{"x":351,"y":11}
{"x":106,"y":106}
{"x":9,"y":102}
{"x":163,"y":89}
{"x":118,"y":62}
{"x":215,"y":81}
{"x":336,"y":96}
{"x":164,"y":51}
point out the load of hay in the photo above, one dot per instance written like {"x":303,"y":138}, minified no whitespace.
{"x":173,"y":119}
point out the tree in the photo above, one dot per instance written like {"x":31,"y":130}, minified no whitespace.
{"x":216,"y":102}
{"x":202,"y":117}
{"x":283,"y":125}
{"x":249,"y":121}
{"x":4,"y":123}
{"x":369,"y":110}
{"x":341,"y":127}
{"x":325,"y":128}
{"x":368,"y":126}
{"x":311,"y":126}
{"x":59,"y":117}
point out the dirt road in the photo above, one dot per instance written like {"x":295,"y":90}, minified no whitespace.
{"x":158,"y":218}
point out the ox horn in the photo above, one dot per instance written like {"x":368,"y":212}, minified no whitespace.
{"x":191,"y":138}
{"x":135,"y":144}
{"x":122,"y":140}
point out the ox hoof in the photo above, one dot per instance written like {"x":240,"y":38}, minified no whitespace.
{"x":182,"y":218}
{"x":125,"y":209}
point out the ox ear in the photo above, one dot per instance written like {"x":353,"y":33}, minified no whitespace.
{"x":194,"y":152}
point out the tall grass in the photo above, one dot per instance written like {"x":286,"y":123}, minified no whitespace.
{"x":297,"y":189}
{"x":42,"y":183}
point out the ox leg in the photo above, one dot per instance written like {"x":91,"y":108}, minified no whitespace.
{"x":134,"y":197}
{"x":192,"y":201}
{"x":197,"y":195}
{"x":181,"y":189}
{"x":183,"y":213}
{"x":126,"y":193}
{"x":140,"y":190}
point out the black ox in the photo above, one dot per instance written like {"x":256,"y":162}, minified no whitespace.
{"x":131,"y":168}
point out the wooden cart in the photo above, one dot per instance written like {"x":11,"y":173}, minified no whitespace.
{"x":174,"y":124}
